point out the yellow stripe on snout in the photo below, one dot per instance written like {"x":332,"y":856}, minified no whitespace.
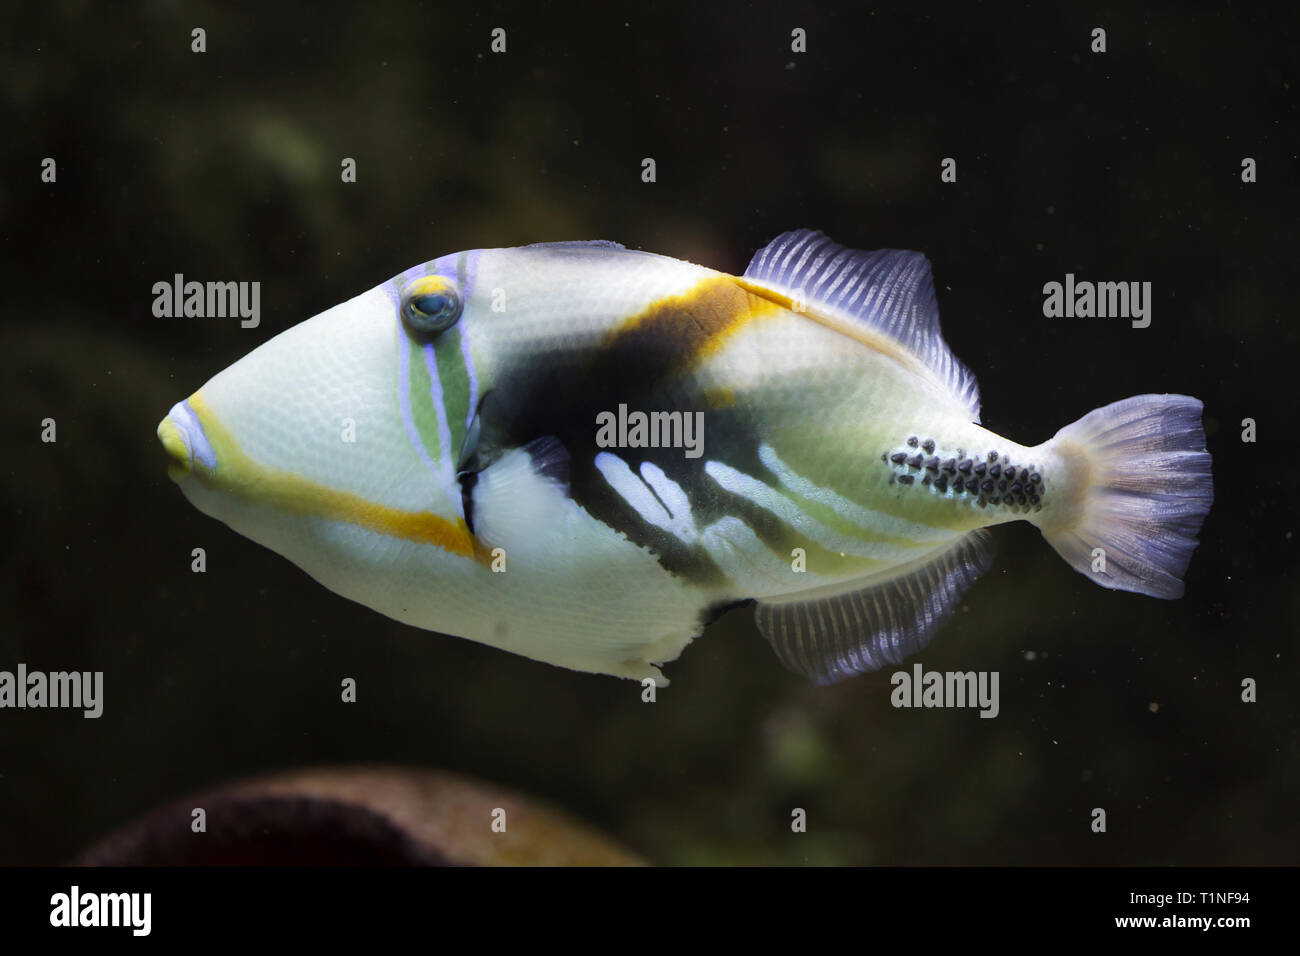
{"x":240,"y":475}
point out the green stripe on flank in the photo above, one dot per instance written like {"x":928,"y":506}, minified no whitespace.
{"x":832,"y":519}
{"x":814,"y":457}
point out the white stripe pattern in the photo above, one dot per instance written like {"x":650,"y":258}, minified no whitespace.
{"x":769,"y":499}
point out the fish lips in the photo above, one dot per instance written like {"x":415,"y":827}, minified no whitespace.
{"x":185,"y":441}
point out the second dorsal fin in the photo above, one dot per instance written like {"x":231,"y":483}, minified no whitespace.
{"x":584,"y":244}
{"x":891,"y":291}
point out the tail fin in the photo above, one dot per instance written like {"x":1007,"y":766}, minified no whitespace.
{"x":1148,"y":488}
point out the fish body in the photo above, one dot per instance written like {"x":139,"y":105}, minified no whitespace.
{"x":581,"y":453}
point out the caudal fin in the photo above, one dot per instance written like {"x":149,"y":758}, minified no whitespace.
{"x":1144,"y":490}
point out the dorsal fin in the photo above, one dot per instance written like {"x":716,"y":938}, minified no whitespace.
{"x":576,"y":244}
{"x":889,"y":290}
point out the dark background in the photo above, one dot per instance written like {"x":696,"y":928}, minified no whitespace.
{"x":1122,"y":166}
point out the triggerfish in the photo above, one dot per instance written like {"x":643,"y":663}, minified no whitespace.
{"x":583,"y":454}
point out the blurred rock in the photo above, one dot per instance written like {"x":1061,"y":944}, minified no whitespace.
{"x":374,"y":816}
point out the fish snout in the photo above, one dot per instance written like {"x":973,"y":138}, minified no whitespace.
{"x":184,"y":440}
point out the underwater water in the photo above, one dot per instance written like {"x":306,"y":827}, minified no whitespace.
{"x":1125,"y":165}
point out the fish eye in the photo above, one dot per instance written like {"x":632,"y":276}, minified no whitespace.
{"x":431,"y":305}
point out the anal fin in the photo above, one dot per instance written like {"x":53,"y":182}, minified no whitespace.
{"x":828,"y":637}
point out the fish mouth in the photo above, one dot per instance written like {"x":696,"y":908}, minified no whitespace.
{"x":183,"y":438}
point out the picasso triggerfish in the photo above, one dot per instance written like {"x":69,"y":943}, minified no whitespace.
{"x":583,"y":453}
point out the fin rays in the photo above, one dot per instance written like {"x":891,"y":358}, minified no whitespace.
{"x":862,"y":629}
{"x":889,"y":290}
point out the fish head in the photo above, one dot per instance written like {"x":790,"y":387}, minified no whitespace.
{"x":337,"y":442}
